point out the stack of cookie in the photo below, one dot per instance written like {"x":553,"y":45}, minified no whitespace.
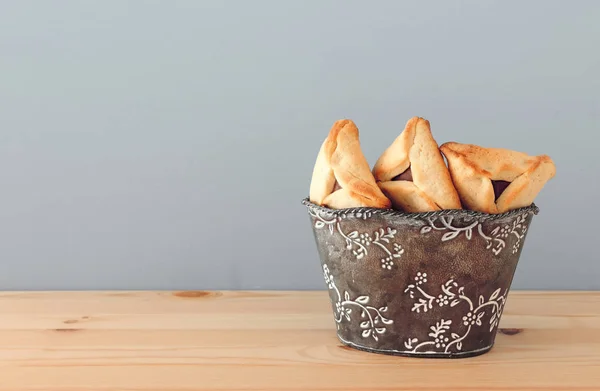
{"x":412,"y":176}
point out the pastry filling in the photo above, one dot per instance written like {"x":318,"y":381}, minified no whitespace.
{"x":405,"y":176}
{"x":499,"y":187}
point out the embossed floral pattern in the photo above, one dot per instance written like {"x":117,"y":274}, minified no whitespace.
{"x":496,"y":240}
{"x":442,"y":300}
{"x":373,"y":322}
{"x":445,"y":335}
{"x":359,"y":243}
{"x":453,"y":293}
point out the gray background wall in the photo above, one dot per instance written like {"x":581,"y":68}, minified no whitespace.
{"x":168,"y":144}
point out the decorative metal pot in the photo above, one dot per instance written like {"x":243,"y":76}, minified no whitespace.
{"x":428,"y":284}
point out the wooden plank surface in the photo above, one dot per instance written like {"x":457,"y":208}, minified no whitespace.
{"x":273,"y":341}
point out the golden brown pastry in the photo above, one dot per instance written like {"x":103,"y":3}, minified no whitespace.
{"x":342,"y":177}
{"x":411,"y":172}
{"x":496,"y":180}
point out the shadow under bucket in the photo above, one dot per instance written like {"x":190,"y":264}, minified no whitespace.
{"x":430,"y":284}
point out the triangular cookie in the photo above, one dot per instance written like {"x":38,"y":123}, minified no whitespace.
{"x":411,"y":172}
{"x":342,"y":177}
{"x":496,"y":180}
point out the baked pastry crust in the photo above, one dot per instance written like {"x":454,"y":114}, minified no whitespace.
{"x":341,"y":163}
{"x":474,"y":169}
{"x":431,"y":187}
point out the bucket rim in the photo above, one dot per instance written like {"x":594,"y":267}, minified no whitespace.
{"x":481,"y":216}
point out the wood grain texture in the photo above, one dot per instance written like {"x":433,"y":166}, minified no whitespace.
{"x":273,"y":341}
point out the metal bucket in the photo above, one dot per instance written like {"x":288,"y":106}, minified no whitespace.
{"x":430,"y":284}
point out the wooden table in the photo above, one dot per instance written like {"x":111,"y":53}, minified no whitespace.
{"x":273,"y":341}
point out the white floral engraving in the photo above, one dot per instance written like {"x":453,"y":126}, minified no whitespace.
{"x":358,"y":243}
{"x":445,"y":336}
{"x":443,"y":339}
{"x":373,"y":322}
{"x":496,"y":240}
